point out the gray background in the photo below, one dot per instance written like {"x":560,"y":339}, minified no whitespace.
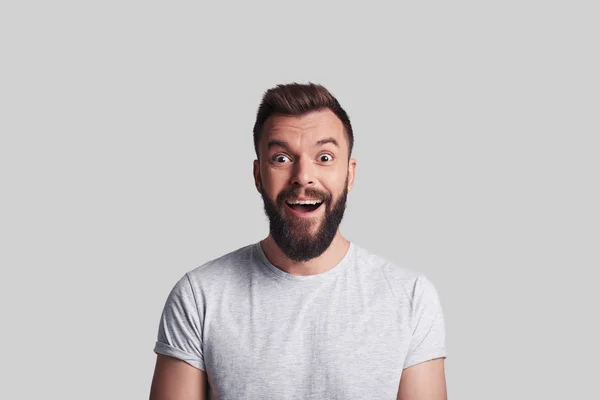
{"x":126,"y":160}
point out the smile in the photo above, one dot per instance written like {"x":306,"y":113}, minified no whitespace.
{"x":303,"y":208}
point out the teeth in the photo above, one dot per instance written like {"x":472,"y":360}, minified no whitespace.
{"x":313,"y":202}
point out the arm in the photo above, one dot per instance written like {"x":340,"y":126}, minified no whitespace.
{"x":179,"y":373}
{"x":177,"y":380}
{"x":424,"y":381}
{"x":423,"y":376}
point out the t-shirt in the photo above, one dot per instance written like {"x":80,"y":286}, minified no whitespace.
{"x":261,"y":333}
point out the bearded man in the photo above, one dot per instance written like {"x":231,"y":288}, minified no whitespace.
{"x":304,"y":313}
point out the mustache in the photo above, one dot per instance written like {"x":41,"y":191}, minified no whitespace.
{"x":309,"y":192}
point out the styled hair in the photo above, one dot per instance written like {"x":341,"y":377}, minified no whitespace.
{"x":298,"y":99}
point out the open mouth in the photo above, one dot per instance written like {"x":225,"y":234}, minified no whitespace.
{"x":304,"y":206}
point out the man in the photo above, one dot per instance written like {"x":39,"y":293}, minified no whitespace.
{"x":304,"y":313}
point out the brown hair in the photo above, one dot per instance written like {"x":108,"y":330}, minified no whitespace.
{"x":298,"y":99}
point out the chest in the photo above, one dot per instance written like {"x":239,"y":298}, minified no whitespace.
{"x":322,"y":344}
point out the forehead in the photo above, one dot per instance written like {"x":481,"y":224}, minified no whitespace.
{"x":308,"y":128}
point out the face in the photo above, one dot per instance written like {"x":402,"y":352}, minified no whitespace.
{"x":303,"y":176}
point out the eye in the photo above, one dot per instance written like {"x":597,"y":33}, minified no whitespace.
{"x":280,"y":158}
{"x":325,"y":157}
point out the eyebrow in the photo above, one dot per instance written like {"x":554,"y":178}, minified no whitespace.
{"x":328,"y":140}
{"x":281,"y":143}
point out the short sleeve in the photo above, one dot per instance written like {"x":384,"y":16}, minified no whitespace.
{"x":427,"y":322}
{"x":179,"y":332}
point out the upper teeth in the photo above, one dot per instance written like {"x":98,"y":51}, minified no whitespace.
{"x":304,"y":201}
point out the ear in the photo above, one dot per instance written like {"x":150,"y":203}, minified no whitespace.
{"x":351,"y":173}
{"x":256,"y":173}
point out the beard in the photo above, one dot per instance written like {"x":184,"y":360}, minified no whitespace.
{"x":294,"y":235}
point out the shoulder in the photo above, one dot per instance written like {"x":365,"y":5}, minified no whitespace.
{"x":405,"y":281}
{"x":230,"y":266}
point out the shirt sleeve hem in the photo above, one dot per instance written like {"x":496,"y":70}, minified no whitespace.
{"x":167,"y":350}
{"x":423,"y":356}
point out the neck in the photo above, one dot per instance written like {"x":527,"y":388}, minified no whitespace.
{"x":329,"y":259}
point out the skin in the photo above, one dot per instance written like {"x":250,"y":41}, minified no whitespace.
{"x":297,"y":159}
{"x":424,"y":381}
{"x":177,"y":380}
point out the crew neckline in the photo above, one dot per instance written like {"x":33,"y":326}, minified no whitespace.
{"x":304,"y":278}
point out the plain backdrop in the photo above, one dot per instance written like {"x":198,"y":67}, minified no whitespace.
{"x":126,"y":160}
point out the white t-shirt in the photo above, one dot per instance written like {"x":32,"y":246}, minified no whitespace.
{"x":261,"y":333}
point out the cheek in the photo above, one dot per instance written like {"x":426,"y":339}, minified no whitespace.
{"x":336,"y":183}
{"x":273,"y":182}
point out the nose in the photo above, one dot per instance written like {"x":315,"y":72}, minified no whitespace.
{"x":302,"y":174}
